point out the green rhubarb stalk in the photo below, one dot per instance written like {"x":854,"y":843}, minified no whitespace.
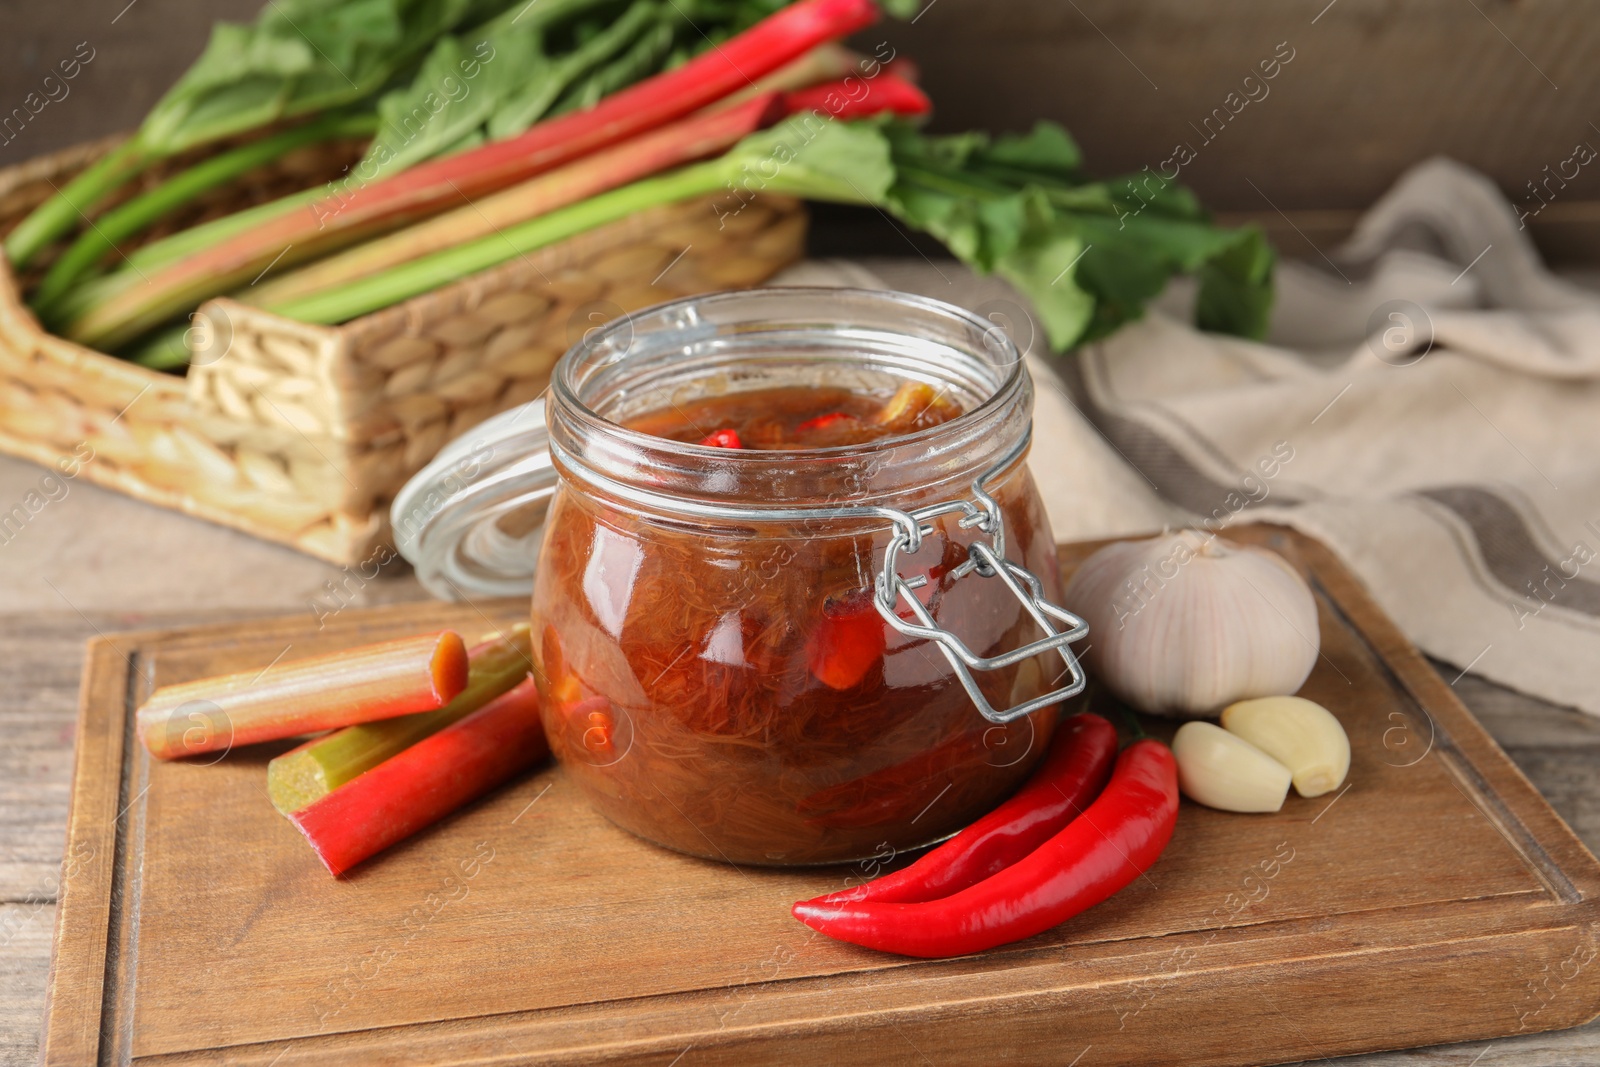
{"x":164,"y":350}
{"x":61,"y":212}
{"x":315,"y":769}
{"x":804,"y":156}
{"x":140,"y":212}
{"x":176,"y":246}
{"x":697,"y":137}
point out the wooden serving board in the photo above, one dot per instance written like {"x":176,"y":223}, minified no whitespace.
{"x":1436,"y":898}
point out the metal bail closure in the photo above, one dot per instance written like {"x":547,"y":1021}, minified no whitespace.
{"x":986,"y":560}
{"x":471,"y":521}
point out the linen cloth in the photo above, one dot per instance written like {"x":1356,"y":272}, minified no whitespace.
{"x":1427,"y":405}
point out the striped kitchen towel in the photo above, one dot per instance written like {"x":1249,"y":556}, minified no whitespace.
{"x":1428,"y":406}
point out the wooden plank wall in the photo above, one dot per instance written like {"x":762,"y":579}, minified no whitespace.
{"x":1372,"y":87}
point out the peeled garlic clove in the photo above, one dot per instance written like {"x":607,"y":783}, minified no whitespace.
{"x":1187,"y":623}
{"x":1221,"y":770}
{"x":1302,"y":735}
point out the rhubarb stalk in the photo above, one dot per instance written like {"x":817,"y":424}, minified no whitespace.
{"x":137,"y":214}
{"x":318,"y":767}
{"x":426,"y":189}
{"x":697,"y":137}
{"x":854,"y":98}
{"x":832,"y":161}
{"x":322,"y":693}
{"x":426,"y":782}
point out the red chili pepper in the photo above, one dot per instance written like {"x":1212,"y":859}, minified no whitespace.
{"x":1115,"y":840}
{"x":847,"y":642}
{"x":1064,"y":785}
{"x":822,"y":422}
{"x":726,"y":438}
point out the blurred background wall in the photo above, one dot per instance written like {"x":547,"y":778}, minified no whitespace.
{"x":1362,"y":89}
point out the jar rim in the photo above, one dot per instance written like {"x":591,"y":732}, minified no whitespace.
{"x":564,"y":390}
{"x":471,"y":520}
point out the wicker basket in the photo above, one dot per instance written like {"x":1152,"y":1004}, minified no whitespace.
{"x":302,"y":434}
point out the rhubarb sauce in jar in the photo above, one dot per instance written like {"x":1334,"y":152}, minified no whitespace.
{"x":793,"y":601}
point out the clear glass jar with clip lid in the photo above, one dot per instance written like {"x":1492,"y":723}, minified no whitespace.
{"x":835,"y":641}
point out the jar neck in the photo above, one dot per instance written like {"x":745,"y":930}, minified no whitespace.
{"x":761,"y":339}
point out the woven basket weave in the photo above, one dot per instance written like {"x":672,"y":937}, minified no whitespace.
{"x":302,"y":434}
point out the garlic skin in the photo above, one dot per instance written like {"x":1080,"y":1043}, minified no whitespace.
{"x":1224,"y":771}
{"x":1301,"y":735}
{"x":1186,"y":623}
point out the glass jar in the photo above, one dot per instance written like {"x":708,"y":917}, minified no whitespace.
{"x":775,"y":657}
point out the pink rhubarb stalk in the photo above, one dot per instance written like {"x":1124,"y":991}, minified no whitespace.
{"x":426,"y":782}
{"x":700,"y":136}
{"x":858,"y":97}
{"x":318,"y":767}
{"x":290,"y":699}
{"x":431,"y":187}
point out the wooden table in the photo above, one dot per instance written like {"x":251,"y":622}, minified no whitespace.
{"x":95,"y":563}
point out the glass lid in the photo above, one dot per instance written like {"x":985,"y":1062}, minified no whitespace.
{"x":470,"y":522}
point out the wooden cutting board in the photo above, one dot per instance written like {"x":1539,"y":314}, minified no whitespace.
{"x":1436,"y":898}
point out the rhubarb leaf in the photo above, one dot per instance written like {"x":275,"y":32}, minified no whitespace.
{"x":495,"y":80}
{"x":1090,"y":255}
{"x":299,"y":56}
{"x":815,"y":157}
{"x":1236,"y":287}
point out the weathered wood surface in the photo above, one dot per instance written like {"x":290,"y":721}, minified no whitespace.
{"x":1551,"y":736}
{"x":1372,"y":88}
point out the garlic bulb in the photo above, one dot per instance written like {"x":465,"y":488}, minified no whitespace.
{"x":1186,"y":623}
{"x":1301,"y":735}
{"x":1221,"y":770}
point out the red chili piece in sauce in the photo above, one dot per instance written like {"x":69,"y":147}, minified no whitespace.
{"x":846,"y":643}
{"x":726,"y":438}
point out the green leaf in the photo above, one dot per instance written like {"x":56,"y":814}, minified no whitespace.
{"x":642,"y":58}
{"x":903,"y":9}
{"x":1236,"y":287}
{"x":299,"y":56}
{"x":1043,"y":266}
{"x":526,"y":96}
{"x":1090,"y":255}
{"x":1048,"y":149}
{"x":815,"y":157}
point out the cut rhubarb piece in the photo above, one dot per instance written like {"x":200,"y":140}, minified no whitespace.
{"x":847,"y":642}
{"x":358,"y":685}
{"x":318,"y":767}
{"x":426,"y":782}
{"x":724,"y":438}
{"x":916,"y":405}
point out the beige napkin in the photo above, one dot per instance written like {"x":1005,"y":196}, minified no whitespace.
{"x":1429,"y":408}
